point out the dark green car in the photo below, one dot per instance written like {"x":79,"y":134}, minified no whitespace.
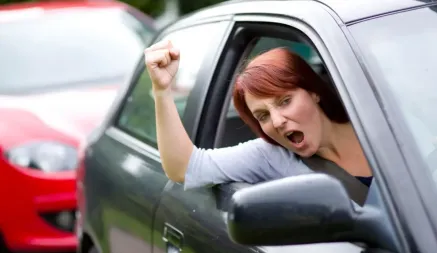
{"x":379,"y":55}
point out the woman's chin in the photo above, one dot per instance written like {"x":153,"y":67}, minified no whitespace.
{"x":304,"y":150}
{"x":306,"y":153}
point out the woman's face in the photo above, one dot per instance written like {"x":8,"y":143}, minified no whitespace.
{"x":293,"y":120}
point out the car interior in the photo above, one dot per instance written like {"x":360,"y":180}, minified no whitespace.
{"x":236,"y":131}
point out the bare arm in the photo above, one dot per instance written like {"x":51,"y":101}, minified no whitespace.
{"x":175,"y":147}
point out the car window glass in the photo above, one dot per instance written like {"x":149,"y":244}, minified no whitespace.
{"x":405,"y":55}
{"x":138,"y":115}
{"x":142,"y":29}
{"x":235,"y":129}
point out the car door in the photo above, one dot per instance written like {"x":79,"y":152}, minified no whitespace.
{"x":401,"y":77}
{"x":397,"y":156}
{"x":394,"y":102}
{"x":124,"y":178}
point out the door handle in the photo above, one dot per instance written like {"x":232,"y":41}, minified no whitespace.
{"x":173,"y":238}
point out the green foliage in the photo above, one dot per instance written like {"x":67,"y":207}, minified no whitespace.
{"x":150,"y":7}
{"x":187,"y":6}
{"x":13,"y":1}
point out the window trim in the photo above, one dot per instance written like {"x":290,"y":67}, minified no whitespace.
{"x":134,"y":143}
{"x":199,"y":95}
{"x":116,"y":120}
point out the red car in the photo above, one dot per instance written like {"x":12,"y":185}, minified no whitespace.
{"x":61,"y":65}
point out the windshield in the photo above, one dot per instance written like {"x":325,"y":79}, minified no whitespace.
{"x":53,"y":49}
{"x":402,"y":48}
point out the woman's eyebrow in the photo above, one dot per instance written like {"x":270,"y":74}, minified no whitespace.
{"x":279,"y":98}
{"x":257,"y":111}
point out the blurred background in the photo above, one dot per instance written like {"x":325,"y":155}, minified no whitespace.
{"x":62,"y":64}
{"x":163,"y":11}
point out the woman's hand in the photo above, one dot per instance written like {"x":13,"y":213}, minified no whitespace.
{"x":162,"y":62}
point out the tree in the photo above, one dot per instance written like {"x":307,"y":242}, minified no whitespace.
{"x":187,"y":6}
{"x":150,"y":7}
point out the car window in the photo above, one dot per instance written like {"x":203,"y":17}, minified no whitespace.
{"x":401,"y":48}
{"x":236,"y":131}
{"x":45,"y":50}
{"x":138,"y":115}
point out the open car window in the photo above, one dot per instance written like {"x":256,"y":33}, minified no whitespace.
{"x":236,"y":131}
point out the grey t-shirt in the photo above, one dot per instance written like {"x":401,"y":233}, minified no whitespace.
{"x":252,"y":162}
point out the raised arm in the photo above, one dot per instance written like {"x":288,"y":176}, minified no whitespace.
{"x":175,"y":147}
{"x":250,"y":162}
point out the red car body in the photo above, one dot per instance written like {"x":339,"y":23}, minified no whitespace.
{"x":28,"y":194}
{"x":33,"y":200}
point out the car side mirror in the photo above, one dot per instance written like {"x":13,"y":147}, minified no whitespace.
{"x":313,"y":208}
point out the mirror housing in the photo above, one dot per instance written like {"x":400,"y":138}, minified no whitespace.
{"x":313,"y":208}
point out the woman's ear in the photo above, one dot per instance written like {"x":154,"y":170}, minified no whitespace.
{"x":316,"y":98}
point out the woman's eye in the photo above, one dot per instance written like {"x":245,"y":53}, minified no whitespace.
{"x":262,"y":117}
{"x":285,"y":101}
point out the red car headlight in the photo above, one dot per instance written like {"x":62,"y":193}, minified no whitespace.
{"x":47,"y":156}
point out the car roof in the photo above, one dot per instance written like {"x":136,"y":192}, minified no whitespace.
{"x":347,"y":10}
{"x":361,"y":9}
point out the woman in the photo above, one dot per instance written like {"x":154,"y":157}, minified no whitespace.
{"x":284,"y":102}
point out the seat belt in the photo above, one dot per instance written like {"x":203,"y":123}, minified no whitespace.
{"x":356,"y":190}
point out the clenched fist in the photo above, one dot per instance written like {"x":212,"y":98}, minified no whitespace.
{"x":162,"y":62}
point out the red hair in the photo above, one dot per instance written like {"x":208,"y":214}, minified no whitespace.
{"x":276,"y":71}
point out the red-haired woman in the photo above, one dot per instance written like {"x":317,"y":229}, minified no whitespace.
{"x":295,"y":114}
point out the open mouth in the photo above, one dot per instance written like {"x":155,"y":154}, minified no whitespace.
{"x":296,"y":137}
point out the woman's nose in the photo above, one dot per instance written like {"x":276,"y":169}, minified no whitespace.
{"x":277,"y":119}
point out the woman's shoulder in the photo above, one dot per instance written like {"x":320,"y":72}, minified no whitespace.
{"x":255,"y":145}
{"x":270,"y":148}
{"x":275,"y":154}
{"x":255,"y":150}
{"x":261,"y":144}
{"x":282,"y":161}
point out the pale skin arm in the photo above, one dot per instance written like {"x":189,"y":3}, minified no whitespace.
{"x":175,"y":147}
